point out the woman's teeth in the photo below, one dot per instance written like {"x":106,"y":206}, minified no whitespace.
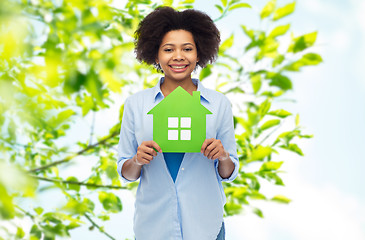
{"x":178,"y":67}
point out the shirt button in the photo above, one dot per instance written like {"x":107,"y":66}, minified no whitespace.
{"x":183,"y":169}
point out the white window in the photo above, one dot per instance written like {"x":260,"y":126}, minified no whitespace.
{"x":173,"y":135}
{"x":185,"y":135}
{"x":185,"y":122}
{"x":174,"y":131}
{"x":173,"y":122}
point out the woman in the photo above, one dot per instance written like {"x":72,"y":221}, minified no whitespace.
{"x":180,"y":195}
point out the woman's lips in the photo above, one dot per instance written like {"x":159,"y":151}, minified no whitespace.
{"x":178,"y":68}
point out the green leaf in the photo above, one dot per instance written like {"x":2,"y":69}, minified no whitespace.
{"x":297,"y":120}
{"x":168,"y":2}
{"x":205,"y":72}
{"x":270,"y":166}
{"x":256,"y":82}
{"x":226,"y":44}
{"x":271,"y":176}
{"x":258,"y":212}
{"x":302,"y":42}
{"x":308,"y":59}
{"x":20,"y":233}
{"x":63,"y":116}
{"x":38,"y":210}
{"x":284,"y":11}
{"x":234,"y":90}
{"x":268,"y":48}
{"x":87,"y":104}
{"x":269,"y":124}
{"x":7,"y":209}
{"x":287,"y":136}
{"x":71,"y":186}
{"x":306,"y":136}
{"x":279,"y":30}
{"x":281,"y":113}
{"x":278,"y":80}
{"x":94,"y":180}
{"x":224,"y":3}
{"x":239,"y":5}
{"x":250,"y":33}
{"x":238,"y":192}
{"x":264,"y":108}
{"x":268,"y":9}
{"x":35,"y":232}
{"x":256,"y":195}
{"x":281,"y":199}
{"x":260,"y":152}
{"x":232,"y":208}
{"x":294,"y":148}
{"x":219,"y":8}
{"x":278,"y":60}
{"x":110,"y":202}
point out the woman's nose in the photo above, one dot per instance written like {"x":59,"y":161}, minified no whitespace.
{"x":178,"y":55}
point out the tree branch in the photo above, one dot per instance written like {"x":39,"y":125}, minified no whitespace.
{"x":25,"y":212}
{"x":77,"y":183}
{"x":98,"y":227}
{"x":67,"y":159}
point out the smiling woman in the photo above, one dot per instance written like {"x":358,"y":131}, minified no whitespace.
{"x":181,"y":191}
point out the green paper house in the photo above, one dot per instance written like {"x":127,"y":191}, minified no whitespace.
{"x":179,"y":122}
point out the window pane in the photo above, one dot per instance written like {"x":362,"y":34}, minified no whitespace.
{"x":173,"y":122}
{"x":185,"y":135}
{"x":186,"y":122}
{"x":173,"y":135}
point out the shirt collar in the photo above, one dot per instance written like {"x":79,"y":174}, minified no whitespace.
{"x":157,"y":93}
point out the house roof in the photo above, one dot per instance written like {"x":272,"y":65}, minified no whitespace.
{"x":180,"y":101}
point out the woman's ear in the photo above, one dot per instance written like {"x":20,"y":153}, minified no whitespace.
{"x":156,"y":60}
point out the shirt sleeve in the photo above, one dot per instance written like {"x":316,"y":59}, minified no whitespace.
{"x":226,"y":135}
{"x":127,"y":146}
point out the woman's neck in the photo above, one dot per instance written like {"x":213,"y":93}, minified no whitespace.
{"x":168,"y":86}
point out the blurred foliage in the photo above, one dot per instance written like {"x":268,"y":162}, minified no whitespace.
{"x":64,"y":60}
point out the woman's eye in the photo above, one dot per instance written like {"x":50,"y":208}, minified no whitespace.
{"x":167,"y":50}
{"x":188,"y":49}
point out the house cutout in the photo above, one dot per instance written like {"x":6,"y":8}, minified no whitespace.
{"x":179,"y":122}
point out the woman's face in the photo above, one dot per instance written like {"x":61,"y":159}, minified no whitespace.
{"x":177,"y":55}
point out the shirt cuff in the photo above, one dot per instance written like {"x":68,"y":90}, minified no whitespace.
{"x":119,"y":169}
{"x":234,"y":173}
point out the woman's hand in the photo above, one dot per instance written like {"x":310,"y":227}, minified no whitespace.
{"x":213,"y":149}
{"x":146,"y":152}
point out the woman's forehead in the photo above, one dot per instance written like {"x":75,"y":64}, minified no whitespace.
{"x":178,"y":37}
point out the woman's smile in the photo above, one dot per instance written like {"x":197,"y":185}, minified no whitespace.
{"x":179,"y":68}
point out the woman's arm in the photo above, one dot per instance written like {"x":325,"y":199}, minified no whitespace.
{"x":213,"y":149}
{"x":131,"y":169}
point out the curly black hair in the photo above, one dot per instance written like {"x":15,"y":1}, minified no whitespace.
{"x":154,"y":26}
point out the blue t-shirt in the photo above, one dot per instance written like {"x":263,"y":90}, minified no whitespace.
{"x":173,"y":162}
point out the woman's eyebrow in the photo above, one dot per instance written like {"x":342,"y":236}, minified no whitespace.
{"x":171,"y":44}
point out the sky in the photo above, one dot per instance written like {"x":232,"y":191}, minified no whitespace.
{"x":326,"y":185}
